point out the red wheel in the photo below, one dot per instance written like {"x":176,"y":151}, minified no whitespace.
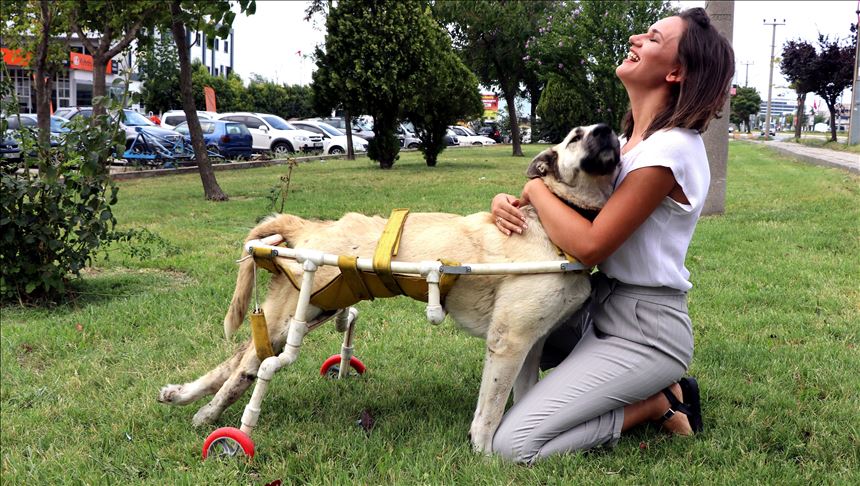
{"x":228,"y":442}
{"x":331,"y":366}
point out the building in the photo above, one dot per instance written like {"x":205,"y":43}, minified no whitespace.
{"x":219,"y":59}
{"x":72,"y":86}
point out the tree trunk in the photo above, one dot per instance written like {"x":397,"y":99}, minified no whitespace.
{"x":42,"y":81}
{"x":832,"y":109}
{"x":211,"y":188}
{"x":350,"y":153}
{"x":99,"y":72}
{"x":801,"y":101}
{"x":513,"y":119}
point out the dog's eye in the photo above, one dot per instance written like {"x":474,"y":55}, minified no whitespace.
{"x":576,"y":138}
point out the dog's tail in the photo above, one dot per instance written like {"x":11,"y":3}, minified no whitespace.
{"x":282,"y":224}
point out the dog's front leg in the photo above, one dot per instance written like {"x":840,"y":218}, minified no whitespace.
{"x":502,"y":363}
{"x":528,"y":376}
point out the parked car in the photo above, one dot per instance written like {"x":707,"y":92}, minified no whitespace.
{"x":226,"y":138}
{"x":451,"y":138}
{"x":407,"y":138}
{"x":172,"y":118}
{"x":31,"y":120}
{"x":10,"y":149}
{"x":358,"y":127}
{"x":334,"y":140}
{"x":468,"y":137}
{"x":273,"y":133}
{"x":491,"y":130}
{"x":131,"y":122}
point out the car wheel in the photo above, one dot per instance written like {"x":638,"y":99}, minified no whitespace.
{"x":214,"y":149}
{"x":413,"y":146}
{"x":281,"y":149}
{"x":477,"y":143}
{"x":335,"y":151}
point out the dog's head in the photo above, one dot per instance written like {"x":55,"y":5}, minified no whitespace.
{"x":581,"y":169}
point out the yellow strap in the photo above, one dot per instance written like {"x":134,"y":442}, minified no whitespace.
{"x":260,"y":335}
{"x":264,"y":259}
{"x":388,"y":245}
{"x":352,"y":276}
{"x":566,"y":255}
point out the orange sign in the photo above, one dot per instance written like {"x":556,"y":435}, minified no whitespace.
{"x":84,"y":62}
{"x":209,"y":94}
{"x":491,"y":106}
{"x":14,"y":58}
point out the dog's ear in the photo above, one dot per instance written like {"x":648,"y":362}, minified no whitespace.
{"x":543,"y":164}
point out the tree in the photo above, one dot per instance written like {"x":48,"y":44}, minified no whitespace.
{"x":449,"y":93}
{"x":578,"y":46}
{"x":797,"y":65}
{"x":214,"y":19}
{"x":745,"y":102}
{"x":835,"y":68}
{"x":374,"y":57}
{"x":31,"y":28}
{"x":159,"y":69}
{"x":491,"y":39}
{"x":107,"y":27}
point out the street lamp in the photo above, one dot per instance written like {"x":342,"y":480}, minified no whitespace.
{"x":770,"y":78}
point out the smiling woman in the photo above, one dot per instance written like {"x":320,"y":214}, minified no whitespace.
{"x":635,"y":335}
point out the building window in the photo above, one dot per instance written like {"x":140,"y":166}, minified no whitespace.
{"x":62,"y":91}
{"x":216,"y":43}
{"x":23,"y":89}
{"x":225,"y":46}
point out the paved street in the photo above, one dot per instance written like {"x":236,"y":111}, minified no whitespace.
{"x":819,"y":156}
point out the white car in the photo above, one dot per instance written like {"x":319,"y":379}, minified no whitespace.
{"x":273,"y":133}
{"x":469,"y":137}
{"x":172,"y":118}
{"x":334,"y":140}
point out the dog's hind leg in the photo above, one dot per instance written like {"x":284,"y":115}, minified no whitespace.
{"x":528,"y":375}
{"x":203,"y":386}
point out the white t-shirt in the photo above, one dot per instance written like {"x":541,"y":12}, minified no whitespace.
{"x":654,"y":254}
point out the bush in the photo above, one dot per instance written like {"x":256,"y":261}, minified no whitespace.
{"x":56,"y":206}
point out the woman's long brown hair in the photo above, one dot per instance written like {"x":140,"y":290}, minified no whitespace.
{"x":707,"y":64}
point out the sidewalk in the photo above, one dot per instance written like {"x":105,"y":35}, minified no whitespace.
{"x":818,"y":156}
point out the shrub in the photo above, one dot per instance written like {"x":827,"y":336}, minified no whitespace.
{"x":56,"y":205}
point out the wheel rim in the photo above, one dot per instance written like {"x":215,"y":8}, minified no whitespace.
{"x":336,"y":151}
{"x":225,"y":447}
{"x":281,"y":150}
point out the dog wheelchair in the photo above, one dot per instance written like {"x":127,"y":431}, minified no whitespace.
{"x":436,"y":276}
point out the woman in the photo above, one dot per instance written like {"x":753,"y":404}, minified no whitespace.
{"x":624,"y":354}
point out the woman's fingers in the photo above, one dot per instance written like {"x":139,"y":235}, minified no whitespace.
{"x":507,"y":215}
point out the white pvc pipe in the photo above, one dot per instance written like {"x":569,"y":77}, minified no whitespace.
{"x":421,"y":268}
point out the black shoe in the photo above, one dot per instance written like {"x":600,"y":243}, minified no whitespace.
{"x":692,"y":406}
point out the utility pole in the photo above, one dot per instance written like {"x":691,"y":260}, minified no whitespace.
{"x":854,"y":123}
{"x":770,"y":78}
{"x":747,"y":78}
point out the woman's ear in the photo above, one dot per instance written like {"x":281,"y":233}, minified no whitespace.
{"x":675,"y":75}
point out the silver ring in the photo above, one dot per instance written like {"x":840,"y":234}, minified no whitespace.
{"x":499,"y":220}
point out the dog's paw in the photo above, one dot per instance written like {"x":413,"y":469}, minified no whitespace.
{"x":207,"y":415}
{"x":171,"y":395}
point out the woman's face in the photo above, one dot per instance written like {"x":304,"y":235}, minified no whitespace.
{"x":653,"y":57}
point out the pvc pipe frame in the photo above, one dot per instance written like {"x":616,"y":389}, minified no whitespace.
{"x":312,"y":259}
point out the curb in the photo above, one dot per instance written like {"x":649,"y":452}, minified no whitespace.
{"x":149,"y":173}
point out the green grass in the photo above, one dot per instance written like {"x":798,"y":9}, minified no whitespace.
{"x":774,"y":307}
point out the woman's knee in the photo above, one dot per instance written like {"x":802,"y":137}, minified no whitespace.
{"x":505,"y":445}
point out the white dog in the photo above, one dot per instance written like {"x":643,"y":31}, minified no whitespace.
{"x":512,"y":312}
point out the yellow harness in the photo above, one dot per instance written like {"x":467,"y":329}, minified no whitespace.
{"x":353,"y":285}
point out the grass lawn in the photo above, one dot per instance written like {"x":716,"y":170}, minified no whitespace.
{"x":775,"y":312}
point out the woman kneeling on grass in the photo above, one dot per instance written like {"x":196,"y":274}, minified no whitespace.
{"x":619,"y":361}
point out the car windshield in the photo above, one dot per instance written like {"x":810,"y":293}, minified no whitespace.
{"x":334,"y":132}
{"x":135,"y":119}
{"x":468,"y":131}
{"x":57,"y":124}
{"x":278,"y":123}
{"x":182,"y":128}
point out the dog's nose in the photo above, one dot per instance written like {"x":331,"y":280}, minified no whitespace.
{"x":601,"y":130}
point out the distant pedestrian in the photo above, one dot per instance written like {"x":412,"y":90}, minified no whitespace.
{"x":154,"y":118}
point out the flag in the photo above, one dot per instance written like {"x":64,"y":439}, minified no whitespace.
{"x":209,"y":95}
{"x":299,"y":53}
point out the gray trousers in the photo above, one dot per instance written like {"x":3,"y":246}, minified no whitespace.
{"x":626,"y":344}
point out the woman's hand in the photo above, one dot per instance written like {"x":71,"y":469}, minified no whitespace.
{"x":507,"y":215}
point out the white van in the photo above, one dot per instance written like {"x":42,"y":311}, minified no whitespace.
{"x":172,"y":118}
{"x":273,"y":133}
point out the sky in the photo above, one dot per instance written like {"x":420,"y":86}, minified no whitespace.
{"x":276,"y":42}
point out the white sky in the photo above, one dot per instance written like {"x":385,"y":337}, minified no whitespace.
{"x":267,"y":43}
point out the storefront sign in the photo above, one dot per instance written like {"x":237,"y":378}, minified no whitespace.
{"x":491,"y":106}
{"x":84,"y":62}
{"x":14,"y":57}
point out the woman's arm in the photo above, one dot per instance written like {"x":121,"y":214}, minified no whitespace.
{"x":628,"y":207}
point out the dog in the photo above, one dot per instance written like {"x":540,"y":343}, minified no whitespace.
{"x":512,"y":312}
